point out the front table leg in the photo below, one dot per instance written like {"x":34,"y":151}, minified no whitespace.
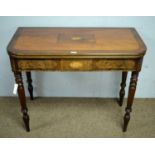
{"x":21,"y":95}
{"x":131,"y":94}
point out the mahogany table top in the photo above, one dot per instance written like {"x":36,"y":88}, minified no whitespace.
{"x":45,"y":41}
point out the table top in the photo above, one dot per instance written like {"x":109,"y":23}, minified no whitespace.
{"x":45,"y":41}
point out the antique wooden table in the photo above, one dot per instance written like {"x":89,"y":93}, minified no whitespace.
{"x":76,"y":49}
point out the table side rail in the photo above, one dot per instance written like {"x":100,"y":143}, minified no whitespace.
{"x":76,"y":64}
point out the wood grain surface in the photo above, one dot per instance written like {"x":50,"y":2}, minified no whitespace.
{"x":76,"y":49}
{"x":80,"y":41}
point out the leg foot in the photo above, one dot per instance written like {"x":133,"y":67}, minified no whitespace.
{"x":126,"y":119}
{"x":131,"y":94}
{"x":26,"y":120}
{"x":30,"y":87}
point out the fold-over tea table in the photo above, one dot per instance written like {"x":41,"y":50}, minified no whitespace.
{"x":76,"y":49}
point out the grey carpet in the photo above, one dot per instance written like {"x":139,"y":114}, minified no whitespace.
{"x":76,"y":117}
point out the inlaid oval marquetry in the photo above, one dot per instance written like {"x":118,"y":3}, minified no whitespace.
{"x":76,"y":65}
{"x":71,"y":65}
{"x":38,"y":64}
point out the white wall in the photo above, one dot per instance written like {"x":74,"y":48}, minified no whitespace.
{"x":81,"y":84}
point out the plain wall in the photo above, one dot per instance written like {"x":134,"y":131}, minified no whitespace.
{"x":79,"y":84}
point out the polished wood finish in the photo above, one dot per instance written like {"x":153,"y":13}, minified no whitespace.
{"x":30,"y":87}
{"x":122,"y":90}
{"x":85,"y":41}
{"x":22,"y":99}
{"x":76,"y":49}
{"x":132,"y":89}
{"x":68,"y":64}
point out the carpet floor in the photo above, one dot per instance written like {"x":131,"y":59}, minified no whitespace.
{"x":76,"y":117}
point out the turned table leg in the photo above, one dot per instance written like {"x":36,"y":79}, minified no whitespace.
{"x":21,"y":94}
{"x":122,"y":90}
{"x":30,"y":87}
{"x":132,"y":89}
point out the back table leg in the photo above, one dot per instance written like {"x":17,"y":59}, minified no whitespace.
{"x":30,"y":87}
{"x":122,"y":90}
{"x":21,"y":95}
{"x":132,"y":89}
